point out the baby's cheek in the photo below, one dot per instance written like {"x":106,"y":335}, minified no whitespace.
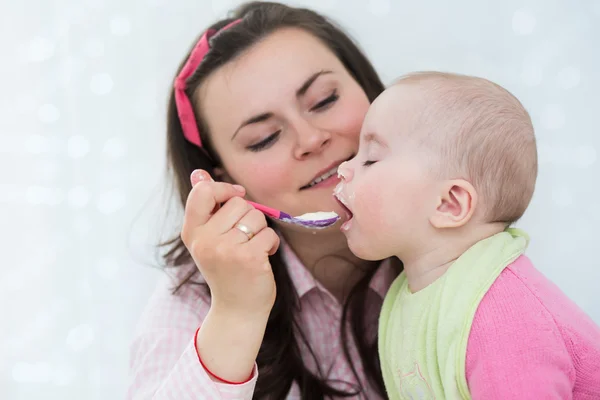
{"x":369,"y":207}
{"x":368,"y":228}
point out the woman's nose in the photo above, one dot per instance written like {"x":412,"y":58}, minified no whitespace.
{"x":310,"y":140}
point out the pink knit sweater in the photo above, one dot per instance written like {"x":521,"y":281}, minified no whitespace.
{"x":529,"y":341}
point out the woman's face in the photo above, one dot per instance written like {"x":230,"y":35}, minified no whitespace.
{"x":282,"y":117}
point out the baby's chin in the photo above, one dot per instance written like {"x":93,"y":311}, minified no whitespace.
{"x":361,"y":248}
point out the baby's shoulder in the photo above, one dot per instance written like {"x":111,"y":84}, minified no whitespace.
{"x":522,"y":302}
{"x":517,"y":298}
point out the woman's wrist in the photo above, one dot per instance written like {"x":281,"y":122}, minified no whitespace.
{"x":240,"y":315}
{"x":228,"y":343}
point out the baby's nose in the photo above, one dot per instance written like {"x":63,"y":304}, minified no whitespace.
{"x":345,"y":172}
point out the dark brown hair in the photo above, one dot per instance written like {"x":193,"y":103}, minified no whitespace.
{"x":279,"y":359}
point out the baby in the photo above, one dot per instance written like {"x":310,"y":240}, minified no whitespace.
{"x":446,"y":164}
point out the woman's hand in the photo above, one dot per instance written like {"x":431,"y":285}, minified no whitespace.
{"x":236,"y":267}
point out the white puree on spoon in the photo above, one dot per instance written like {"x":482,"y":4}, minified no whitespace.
{"x":317,"y":216}
{"x":321,"y":215}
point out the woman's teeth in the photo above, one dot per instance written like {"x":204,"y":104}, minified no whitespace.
{"x":321,"y":178}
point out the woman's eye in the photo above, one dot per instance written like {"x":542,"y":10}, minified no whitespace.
{"x":325,"y":102}
{"x":267,"y":142}
{"x":368,"y":162}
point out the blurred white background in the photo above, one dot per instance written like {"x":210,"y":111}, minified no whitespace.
{"x":84,"y":86}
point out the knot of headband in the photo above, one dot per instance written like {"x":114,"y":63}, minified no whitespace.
{"x":184,"y":106}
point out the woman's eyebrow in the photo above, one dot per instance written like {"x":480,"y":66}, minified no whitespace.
{"x":253,"y":120}
{"x":311,"y":79}
{"x":299,"y":93}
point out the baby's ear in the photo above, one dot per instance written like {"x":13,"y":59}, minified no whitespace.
{"x":455,"y":205}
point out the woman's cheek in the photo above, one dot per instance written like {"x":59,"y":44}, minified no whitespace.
{"x":350,"y":115}
{"x":264,"y":178}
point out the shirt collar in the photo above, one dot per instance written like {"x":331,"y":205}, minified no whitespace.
{"x":304,"y":282}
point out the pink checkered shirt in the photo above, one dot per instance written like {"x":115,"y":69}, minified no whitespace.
{"x":164,"y":363}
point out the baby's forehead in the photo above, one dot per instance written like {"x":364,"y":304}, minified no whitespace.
{"x":432,"y":100}
{"x":402,"y":93}
{"x":397,"y":107}
{"x":399,"y":100}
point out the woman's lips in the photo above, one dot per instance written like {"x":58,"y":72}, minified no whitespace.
{"x":329,"y":182}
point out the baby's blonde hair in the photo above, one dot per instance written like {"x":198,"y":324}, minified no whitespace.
{"x":484,"y":135}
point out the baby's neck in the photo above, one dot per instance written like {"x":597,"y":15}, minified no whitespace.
{"x":430,"y":263}
{"x":330,"y":261}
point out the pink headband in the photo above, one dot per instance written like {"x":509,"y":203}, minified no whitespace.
{"x":184,"y":106}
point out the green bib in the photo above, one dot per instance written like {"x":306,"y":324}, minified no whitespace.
{"x":423,"y":336}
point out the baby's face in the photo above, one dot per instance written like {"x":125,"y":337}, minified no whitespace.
{"x":388,"y":188}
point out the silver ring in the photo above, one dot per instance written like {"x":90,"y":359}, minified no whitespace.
{"x":243,"y":228}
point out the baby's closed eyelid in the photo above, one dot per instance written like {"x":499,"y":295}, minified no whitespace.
{"x":372,"y":150}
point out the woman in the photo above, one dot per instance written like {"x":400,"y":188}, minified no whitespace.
{"x":267,"y":104}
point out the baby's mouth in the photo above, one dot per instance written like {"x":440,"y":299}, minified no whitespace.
{"x":338,"y":195}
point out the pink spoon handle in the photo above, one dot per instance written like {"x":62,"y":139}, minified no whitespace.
{"x":271,"y":212}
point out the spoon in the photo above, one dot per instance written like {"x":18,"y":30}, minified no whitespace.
{"x":316,"y":220}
